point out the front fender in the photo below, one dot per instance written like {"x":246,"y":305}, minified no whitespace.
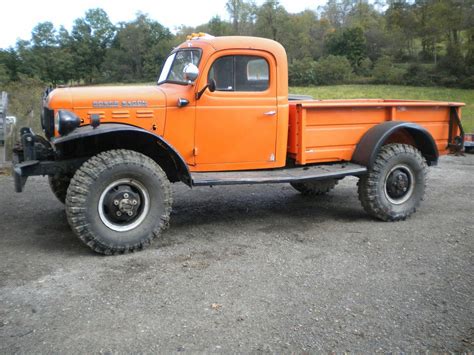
{"x":123,"y":136}
{"x":104,"y":128}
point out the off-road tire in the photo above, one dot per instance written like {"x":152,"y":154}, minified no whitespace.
{"x":374,"y":186}
{"x":314,"y":188}
{"x":59,"y":184}
{"x":92,"y":180}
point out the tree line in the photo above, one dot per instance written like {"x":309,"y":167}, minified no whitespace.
{"x":412,"y":42}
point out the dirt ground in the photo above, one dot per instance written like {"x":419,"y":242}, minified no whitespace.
{"x":246,"y":269}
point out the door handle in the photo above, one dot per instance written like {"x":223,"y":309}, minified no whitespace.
{"x":270,"y":113}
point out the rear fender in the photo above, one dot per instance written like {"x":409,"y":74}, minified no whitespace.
{"x":369,"y":146}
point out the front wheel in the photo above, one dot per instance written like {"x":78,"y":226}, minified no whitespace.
{"x":59,"y":184}
{"x":118,"y":201}
{"x":395,"y":185}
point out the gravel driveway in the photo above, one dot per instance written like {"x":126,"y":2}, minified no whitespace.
{"x":246,"y":269}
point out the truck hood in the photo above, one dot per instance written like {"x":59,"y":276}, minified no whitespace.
{"x":102,"y":97}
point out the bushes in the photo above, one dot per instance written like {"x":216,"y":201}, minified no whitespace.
{"x":4,"y":77}
{"x":24,"y":97}
{"x":337,"y":70}
{"x":419,"y":75}
{"x":333,"y":70}
{"x":364,"y":69}
{"x":327,"y":71}
{"x":385,"y":72}
{"x":467,"y":82}
{"x":301,"y":72}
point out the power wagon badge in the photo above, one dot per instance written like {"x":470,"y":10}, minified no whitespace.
{"x":134,"y":103}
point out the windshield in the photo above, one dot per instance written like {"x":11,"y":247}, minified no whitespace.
{"x":174,"y":66}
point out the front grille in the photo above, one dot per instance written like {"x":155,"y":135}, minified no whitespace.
{"x":47,"y":122}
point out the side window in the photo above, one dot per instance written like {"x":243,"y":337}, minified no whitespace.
{"x":222,"y":71}
{"x":240,"y":73}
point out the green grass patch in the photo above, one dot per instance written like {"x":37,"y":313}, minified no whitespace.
{"x":396,"y":92}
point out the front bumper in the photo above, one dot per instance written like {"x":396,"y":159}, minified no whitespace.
{"x":21,"y":171}
{"x":35,"y":156}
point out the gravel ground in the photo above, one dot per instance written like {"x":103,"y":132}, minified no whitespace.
{"x":2,"y":156}
{"x":245,"y":269}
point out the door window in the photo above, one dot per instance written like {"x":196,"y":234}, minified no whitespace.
{"x":240,"y":73}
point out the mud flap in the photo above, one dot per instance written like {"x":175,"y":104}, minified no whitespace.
{"x":455,"y":142}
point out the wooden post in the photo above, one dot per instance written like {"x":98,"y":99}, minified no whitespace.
{"x":3,"y":129}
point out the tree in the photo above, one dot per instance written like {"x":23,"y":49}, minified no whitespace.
{"x":336,"y":12}
{"x":402,"y":23}
{"x":349,"y":42}
{"x":90,"y":38}
{"x":272,"y":20}
{"x":11,"y":63}
{"x":44,"y":56}
{"x":217,"y":27}
{"x":304,"y":36}
{"x":362,"y":14}
{"x":242,"y":14}
{"x":138,"y":50}
{"x":41,"y":49}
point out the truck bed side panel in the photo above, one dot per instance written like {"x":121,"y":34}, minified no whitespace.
{"x":435,"y":119}
{"x":328,"y":132}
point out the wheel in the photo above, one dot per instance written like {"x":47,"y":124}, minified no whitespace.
{"x":315,"y":187}
{"x":118,"y":201}
{"x":395,"y":186}
{"x":59,"y":184}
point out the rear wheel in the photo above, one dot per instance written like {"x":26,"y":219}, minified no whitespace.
{"x":315,"y":187}
{"x":118,"y":201}
{"x":395,"y":186}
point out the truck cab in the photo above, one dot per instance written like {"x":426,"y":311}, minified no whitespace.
{"x":239,"y":124}
{"x":220,"y":114}
{"x":242,"y":122}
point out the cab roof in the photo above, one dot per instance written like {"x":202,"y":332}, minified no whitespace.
{"x":237,"y":42}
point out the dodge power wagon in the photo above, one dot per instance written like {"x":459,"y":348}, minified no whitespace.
{"x":220,"y":114}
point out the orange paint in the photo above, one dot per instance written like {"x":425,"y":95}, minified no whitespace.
{"x":329,"y":130}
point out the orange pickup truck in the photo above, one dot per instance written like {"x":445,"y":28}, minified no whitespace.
{"x":220,"y":114}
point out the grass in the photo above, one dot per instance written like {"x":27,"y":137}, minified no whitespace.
{"x":396,"y":92}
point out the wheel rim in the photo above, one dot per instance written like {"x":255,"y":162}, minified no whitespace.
{"x":399,"y":184}
{"x":123,"y":205}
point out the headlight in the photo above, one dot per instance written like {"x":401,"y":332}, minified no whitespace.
{"x":66,"y":122}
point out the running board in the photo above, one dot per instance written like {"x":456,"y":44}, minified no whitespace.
{"x":275,"y":176}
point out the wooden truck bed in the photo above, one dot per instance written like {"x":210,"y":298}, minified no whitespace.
{"x":329,"y":130}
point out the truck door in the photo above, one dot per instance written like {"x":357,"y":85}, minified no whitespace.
{"x":236,"y":125}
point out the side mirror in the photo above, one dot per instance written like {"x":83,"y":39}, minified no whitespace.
{"x":211,"y":85}
{"x":190,"y":72}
